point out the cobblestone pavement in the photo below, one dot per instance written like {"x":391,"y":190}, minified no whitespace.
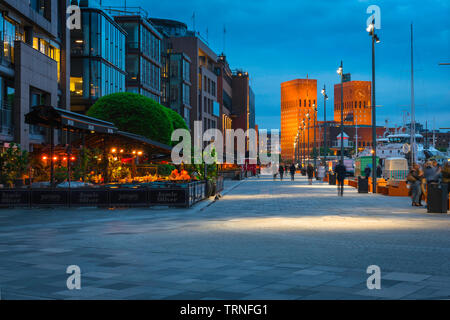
{"x":264,"y":239}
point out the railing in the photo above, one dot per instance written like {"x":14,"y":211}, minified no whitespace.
{"x":395,"y":174}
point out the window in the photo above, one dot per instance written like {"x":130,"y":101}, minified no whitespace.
{"x":6,"y":106}
{"x":205,"y":82}
{"x":37,"y":98}
{"x":173,"y":93}
{"x":186,"y":94}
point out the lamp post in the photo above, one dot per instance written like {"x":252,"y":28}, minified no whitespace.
{"x":340,"y":72}
{"x":325,"y":98}
{"x":307,"y":117}
{"x":315,"y":141}
{"x":303,"y":143}
{"x":371,"y":30}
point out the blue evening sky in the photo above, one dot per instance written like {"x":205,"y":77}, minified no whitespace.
{"x":278,"y":40}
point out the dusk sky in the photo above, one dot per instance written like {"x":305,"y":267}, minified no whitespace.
{"x":276,"y":41}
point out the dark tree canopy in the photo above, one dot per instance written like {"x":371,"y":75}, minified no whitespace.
{"x":136,"y":114}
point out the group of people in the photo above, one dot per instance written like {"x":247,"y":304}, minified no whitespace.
{"x":368,"y":171}
{"x":419,"y":176}
{"x":292,"y":169}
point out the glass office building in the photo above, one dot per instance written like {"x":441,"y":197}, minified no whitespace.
{"x":143,"y":56}
{"x":97,"y":59}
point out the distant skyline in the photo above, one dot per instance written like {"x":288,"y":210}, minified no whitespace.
{"x":277,"y":41}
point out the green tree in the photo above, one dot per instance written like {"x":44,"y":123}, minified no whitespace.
{"x":176,"y":120}
{"x":136,"y":114}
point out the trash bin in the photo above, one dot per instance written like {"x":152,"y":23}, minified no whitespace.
{"x":363,"y":185}
{"x":437,"y":197}
{"x":332,"y":179}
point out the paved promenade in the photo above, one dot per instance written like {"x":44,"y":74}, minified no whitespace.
{"x":264,"y":239}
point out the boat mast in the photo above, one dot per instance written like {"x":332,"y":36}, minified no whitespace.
{"x":413,"y":119}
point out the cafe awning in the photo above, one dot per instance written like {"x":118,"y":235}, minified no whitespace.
{"x":52,"y":117}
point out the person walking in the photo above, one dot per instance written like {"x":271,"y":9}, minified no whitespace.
{"x":446,"y":174}
{"x":281,"y":171}
{"x":292,"y":170}
{"x":414,"y":179}
{"x":310,"y":172}
{"x":341,"y":172}
{"x":367,"y":172}
{"x":379,"y":171}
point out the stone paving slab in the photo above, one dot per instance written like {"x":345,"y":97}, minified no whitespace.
{"x":264,"y":239}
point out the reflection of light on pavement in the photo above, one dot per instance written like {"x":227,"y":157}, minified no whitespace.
{"x":322,"y":223}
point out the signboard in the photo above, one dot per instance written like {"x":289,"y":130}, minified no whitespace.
{"x":175,"y":197}
{"x":14,"y":198}
{"x":89,"y":197}
{"x":133,"y":197}
{"x":53,"y":197}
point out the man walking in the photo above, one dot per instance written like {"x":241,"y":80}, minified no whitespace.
{"x":340,"y":171}
{"x":292,"y":170}
{"x":310,"y":172}
{"x":367,"y":171}
{"x":281,"y":171}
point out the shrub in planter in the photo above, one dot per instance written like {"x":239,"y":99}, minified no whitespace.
{"x":13,"y":165}
{"x":165,"y":169}
{"x":60,"y":174}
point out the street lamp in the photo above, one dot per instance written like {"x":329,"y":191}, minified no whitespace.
{"x":315,"y":142}
{"x":340,"y":72}
{"x":303,"y":143}
{"x":371,"y":30}
{"x":325,"y":98}
{"x":307,"y":117}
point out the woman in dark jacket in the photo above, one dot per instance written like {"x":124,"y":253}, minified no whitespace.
{"x":292,"y":170}
{"x":310,"y":173}
{"x":281,"y":171}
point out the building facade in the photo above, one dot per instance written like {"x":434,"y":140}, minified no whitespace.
{"x":225,"y":94}
{"x":143,"y":56}
{"x":243,"y":103}
{"x":34,"y":66}
{"x":298,"y":101}
{"x":176,"y":79}
{"x":97,"y":58}
{"x":357,"y":102}
{"x":203,"y":71}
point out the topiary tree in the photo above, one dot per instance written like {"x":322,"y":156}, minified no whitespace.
{"x":136,"y":114}
{"x":176,"y":120}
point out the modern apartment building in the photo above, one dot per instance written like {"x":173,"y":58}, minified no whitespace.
{"x":243,"y":102}
{"x":357,"y":102}
{"x":203,"y":71}
{"x":225,"y":94}
{"x":176,"y":79}
{"x":97,"y":57}
{"x":34,"y":66}
{"x":298,"y":101}
{"x":143,"y":54}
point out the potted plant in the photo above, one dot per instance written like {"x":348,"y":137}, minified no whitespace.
{"x":14,"y":164}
